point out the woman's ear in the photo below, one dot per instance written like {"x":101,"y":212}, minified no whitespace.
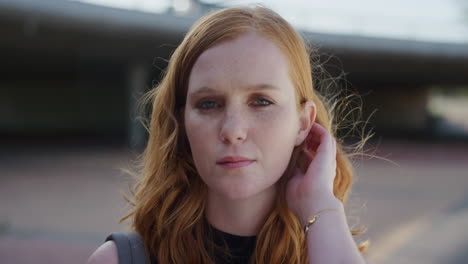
{"x":306,"y":120}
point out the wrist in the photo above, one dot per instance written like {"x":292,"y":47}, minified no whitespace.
{"x":318,"y":205}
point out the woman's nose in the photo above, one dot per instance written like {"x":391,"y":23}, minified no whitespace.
{"x":233,"y":128}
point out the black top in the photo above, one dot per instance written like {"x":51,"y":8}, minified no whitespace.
{"x":240,"y":247}
{"x":228,"y":248}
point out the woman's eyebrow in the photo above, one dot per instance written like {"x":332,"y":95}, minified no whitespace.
{"x":255,"y":87}
{"x":262,"y":86}
{"x":202,"y":90}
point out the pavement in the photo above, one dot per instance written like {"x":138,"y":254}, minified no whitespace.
{"x":58,"y":203}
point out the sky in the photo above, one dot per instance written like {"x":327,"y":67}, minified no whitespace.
{"x":426,"y":20}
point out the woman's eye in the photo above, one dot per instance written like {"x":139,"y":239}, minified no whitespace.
{"x":206,"y":105}
{"x":261,"y":102}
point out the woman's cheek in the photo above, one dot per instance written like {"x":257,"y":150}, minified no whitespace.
{"x":202,"y":132}
{"x":277,"y":120}
{"x":277,"y":129}
{"x":194,"y":125}
{"x":195,"y":122}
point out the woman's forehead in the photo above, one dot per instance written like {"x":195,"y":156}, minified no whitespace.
{"x":249,"y":60}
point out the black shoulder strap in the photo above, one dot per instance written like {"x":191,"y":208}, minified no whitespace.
{"x":130,"y":248}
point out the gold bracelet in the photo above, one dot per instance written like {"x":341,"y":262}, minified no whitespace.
{"x":314,"y":218}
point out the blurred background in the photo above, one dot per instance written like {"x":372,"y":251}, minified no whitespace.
{"x":72,"y":73}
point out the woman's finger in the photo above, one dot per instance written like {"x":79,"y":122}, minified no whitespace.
{"x":309,"y":155}
{"x":325,"y":150}
{"x":326,"y":140}
{"x":319,"y":139}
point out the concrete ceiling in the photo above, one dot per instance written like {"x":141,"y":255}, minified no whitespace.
{"x":52,"y":33}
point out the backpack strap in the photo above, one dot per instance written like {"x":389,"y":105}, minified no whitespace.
{"x":130,"y":248}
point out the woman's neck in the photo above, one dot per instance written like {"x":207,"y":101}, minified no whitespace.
{"x":242,"y":217}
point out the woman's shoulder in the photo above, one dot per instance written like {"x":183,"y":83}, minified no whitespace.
{"x":123,"y":248}
{"x":106,"y":253}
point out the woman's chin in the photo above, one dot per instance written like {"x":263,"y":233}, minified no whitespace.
{"x":238,"y":195}
{"x":241,"y":192}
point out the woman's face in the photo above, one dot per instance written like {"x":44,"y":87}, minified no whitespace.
{"x":241,"y":116}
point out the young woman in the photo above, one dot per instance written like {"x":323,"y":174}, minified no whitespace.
{"x":241,"y":164}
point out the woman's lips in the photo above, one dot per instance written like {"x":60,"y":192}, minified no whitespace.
{"x":236,"y":164}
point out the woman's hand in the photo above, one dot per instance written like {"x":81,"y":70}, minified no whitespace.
{"x":308,"y":193}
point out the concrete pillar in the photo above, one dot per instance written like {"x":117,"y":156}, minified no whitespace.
{"x":137,"y":75}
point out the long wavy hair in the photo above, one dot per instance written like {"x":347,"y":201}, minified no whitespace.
{"x":169,"y":196}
